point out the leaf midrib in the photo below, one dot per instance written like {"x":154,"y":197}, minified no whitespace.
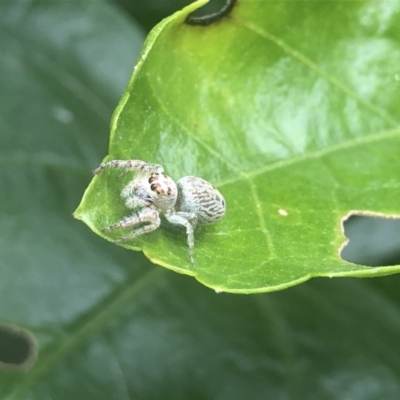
{"x":345,"y":145}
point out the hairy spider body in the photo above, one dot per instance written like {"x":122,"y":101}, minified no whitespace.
{"x":150,"y":193}
{"x":199,"y":197}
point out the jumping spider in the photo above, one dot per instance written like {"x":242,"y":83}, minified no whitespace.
{"x":150,"y":193}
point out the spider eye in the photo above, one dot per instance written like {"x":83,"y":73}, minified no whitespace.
{"x":153,"y":187}
{"x":151,"y":179}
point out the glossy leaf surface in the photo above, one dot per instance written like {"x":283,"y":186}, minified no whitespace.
{"x":295,"y":120}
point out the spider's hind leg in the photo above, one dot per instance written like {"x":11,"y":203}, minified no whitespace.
{"x":177,"y":219}
{"x":190,"y":216}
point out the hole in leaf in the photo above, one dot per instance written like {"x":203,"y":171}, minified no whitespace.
{"x":211,"y":12}
{"x":18,"y":348}
{"x":374,"y":239}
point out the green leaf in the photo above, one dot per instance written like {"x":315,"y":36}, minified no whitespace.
{"x":291,"y":109}
{"x":109,"y":324}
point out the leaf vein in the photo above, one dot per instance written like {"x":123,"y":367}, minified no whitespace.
{"x":346,"y":145}
{"x":313,"y":66}
{"x":197,"y":139}
{"x":258,"y":208}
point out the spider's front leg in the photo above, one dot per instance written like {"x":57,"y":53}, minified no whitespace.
{"x":146,"y":215}
{"x":130,"y":165}
{"x":177,"y":219}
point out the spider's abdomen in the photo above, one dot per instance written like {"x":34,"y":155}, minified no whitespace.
{"x":195,"y":195}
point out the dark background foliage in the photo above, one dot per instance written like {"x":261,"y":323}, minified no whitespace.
{"x":109,"y":324}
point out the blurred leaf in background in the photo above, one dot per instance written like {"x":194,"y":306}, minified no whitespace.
{"x":109,"y":324}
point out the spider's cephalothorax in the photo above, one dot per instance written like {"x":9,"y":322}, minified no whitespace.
{"x":190,"y":201}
